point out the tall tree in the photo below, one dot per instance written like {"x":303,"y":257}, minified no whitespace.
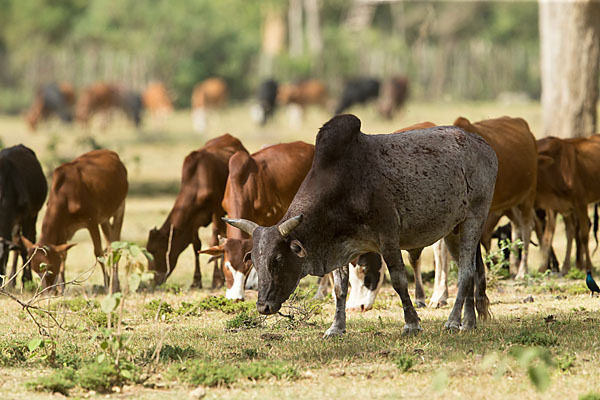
{"x":570,"y":58}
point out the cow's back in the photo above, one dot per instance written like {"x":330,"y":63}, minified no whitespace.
{"x":516,"y":150}
{"x":90,"y":187}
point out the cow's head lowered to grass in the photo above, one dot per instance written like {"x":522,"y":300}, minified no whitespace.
{"x":278,"y":258}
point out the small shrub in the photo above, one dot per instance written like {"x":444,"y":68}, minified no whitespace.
{"x":58,"y":382}
{"x":405,"y":362}
{"x":220,"y":374}
{"x":575,"y":274}
{"x":101,"y":377}
{"x":527,"y":338}
{"x":566,"y":362}
{"x":244,"y":320}
{"x":168,"y":353}
{"x":169,"y":287}
{"x":249,"y":353}
{"x":577,"y":289}
{"x":13,"y":352}
{"x":159,"y":308}
{"x":220,"y":303}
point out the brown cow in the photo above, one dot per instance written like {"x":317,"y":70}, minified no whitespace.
{"x":101,"y":97}
{"x":260,"y":186}
{"x":85,"y":193}
{"x":203,"y":178}
{"x":157,"y":100}
{"x":392,"y":95}
{"x":514,"y":193}
{"x":569,"y":179}
{"x":51,"y":99}
{"x":210,"y":93}
{"x":298,"y":96}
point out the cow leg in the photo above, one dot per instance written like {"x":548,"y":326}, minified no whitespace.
{"x":488,"y":229}
{"x":583,"y":222}
{"x":547,"y":238}
{"x":570,"y":223}
{"x":524,"y":215}
{"x":415,"y":262}
{"x":440,"y":287}
{"x":98,"y":252}
{"x":30,"y":233}
{"x":340,"y":279}
{"x":4,"y":252}
{"x":463,"y":247}
{"x":197,"y":245}
{"x":323,"y":287}
{"x":218,"y":227}
{"x":395,"y":265}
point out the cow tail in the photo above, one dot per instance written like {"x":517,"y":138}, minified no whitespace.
{"x":595,"y":227}
{"x":482,"y":303}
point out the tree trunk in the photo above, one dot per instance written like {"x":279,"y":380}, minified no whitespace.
{"x":570,"y":57}
{"x":313,"y":26}
{"x":296,"y":33}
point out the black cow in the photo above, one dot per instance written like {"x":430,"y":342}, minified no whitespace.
{"x":23,"y":189}
{"x":51,"y":99}
{"x":358,"y":90}
{"x":131,"y":103}
{"x":267,"y":100}
{"x":409,"y":190}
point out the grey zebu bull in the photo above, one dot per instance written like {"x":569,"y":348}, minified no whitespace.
{"x":411,"y":189}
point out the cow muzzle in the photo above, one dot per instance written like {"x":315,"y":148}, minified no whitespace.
{"x":267,"y":308}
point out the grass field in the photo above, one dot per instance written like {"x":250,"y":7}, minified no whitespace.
{"x":248,"y":357}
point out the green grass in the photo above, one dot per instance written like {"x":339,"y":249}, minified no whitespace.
{"x":200,"y":340}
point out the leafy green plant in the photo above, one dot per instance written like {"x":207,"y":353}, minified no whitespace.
{"x":158,"y":310}
{"x":216,"y":303}
{"x":575,"y":274}
{"x":498,"y":265}
{"x":589,"y":396}
{"x":58,"y":382}
{"x":528,"y":338}
{"x":244,"y":320}
{"x":405,"y":362}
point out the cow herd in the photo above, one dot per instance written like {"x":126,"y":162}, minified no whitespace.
{"x":346,"y":206}
{"x":211,"y":94}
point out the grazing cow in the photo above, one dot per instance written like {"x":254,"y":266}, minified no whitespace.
{"x":297,"y":96}
{"x":157,"y":101}
{"x":358,"y":90}
{"x":210,"y":93}
{"x":102,"y":97}
{"x":52,"y":99}
{"x":514,"y":193}
{"x":23,"y":189}
{"x":85,"y":193}
{"x":198,"y":203}
{"x":365,"y":277}
{"x":267,"y":101}
{"x":260,"y":186}
{"x":408,"y":190}
{"x":569,"y":179}
{"x":392,"y":96}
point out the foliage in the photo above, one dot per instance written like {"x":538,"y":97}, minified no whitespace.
{"x":244,"y":320}
{"x":215,"y":303}
{"x":224,"y":374}
{"x":590,"y":396}
{"x":405,"y":362}
{"x":157,"y":309}
{"x":529,"y":338}
{"x":57,"y":382}
{"x":575,"y":274}
{"x":13,"y":352}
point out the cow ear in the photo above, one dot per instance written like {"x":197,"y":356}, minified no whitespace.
{"x":214,"y":250}
{"x":62,"y":248}
{"x":248,"y":258}
{"x":297,"y":248}
{"x":27,"y":243}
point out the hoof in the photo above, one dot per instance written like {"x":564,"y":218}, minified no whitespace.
{"x":333,"y":332}
{"x":412,"y":330}
{"x":196,"y":285}
{"x":438,"y":303}
{"x":452,"y":326}
{"x":420,"y":304}
{"x":468,"y":327}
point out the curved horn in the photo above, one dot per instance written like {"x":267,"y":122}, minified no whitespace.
{"x":288,"y":226}
{"x":242,"y":224}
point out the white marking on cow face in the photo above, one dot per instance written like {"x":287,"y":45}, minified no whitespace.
{"x":361,"y":298}
{"x":252,"y":280}
{"x":236,"y":291}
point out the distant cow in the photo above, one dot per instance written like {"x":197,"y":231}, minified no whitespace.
{"x":392,"y":96}
{"x":569,"y":179}
{"x":85,"y":193}
{"x":210,"y":93}
{"x":52,"y":99}
{"x":514,"y":192}
{"x":260,"y":187}
{"x":358,"y":91}
{"x":23,"y":189}
{"x":102,"y":97}
{"x":156,"y":100}
{"x":365,"y":277}
{"x":300,"y":95}
{"x":381,"y":193}
{"x":198,"y":203}
{"x":267,"y":101}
